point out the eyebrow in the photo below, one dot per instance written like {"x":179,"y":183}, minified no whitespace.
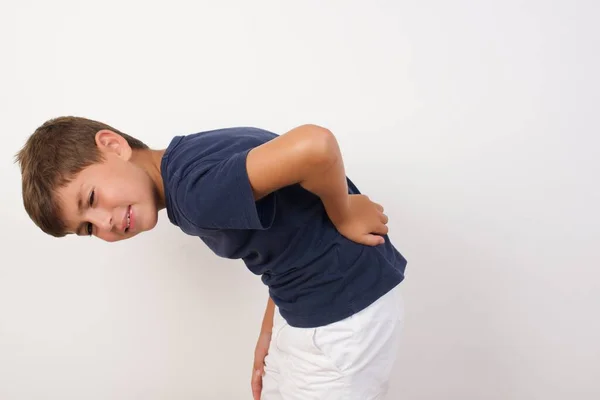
{"x":79,"y":201}
{"x":79,"y":209}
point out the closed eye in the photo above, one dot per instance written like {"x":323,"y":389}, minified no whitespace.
{"x":89,"y":226}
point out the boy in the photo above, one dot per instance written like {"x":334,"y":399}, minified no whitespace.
{"x":282,"y":204}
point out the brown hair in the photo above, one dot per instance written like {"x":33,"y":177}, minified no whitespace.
{"x":51,"y":157}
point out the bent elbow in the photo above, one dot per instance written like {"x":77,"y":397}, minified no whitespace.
{"x":322,"y":146}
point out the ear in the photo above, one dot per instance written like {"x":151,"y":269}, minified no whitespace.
{"x":110,"y":142}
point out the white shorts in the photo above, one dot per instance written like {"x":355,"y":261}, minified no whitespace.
{"x":348,"y":360}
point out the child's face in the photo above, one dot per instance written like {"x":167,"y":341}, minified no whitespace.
{"x":113,"y":200}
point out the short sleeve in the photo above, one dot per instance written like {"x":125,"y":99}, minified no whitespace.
{"x":216,"y":194}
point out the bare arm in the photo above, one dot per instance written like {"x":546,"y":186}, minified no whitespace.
{"x":309,"y":155}
{"x":267,"y":324}
{"x":262,"y":349}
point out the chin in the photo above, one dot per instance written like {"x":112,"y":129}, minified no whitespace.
{"x":148,"y":220}
{"x":150,"y":223}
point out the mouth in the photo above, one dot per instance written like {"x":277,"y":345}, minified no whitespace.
{"x":128,"y":223}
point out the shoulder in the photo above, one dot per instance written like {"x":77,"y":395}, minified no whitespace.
{"x":205,"y":177}
{"x":202,"y":150}
{"x":218,"y":143}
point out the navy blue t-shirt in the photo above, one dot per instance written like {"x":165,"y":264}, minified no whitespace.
{"x":315,"y":275}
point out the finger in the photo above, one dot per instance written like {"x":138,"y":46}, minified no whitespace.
{"x":256,"y":384}
{"x":379,"y":207}
{"x":384,"y":218}
{"x":381,"y":229}
{"x":373,"y":240}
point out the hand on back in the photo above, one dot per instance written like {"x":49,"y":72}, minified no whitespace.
{"x":364,"y":222}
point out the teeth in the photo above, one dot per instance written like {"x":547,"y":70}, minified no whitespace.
{"x":128,"y":219}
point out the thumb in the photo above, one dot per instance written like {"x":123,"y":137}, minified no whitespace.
{"x":373,"y":240}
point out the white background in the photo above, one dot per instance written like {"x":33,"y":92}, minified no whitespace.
{"x":475,"y":123}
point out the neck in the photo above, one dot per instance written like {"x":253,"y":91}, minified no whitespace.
{"x":150,"y":161}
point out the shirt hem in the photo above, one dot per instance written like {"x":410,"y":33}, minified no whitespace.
{"x":355,"y":307}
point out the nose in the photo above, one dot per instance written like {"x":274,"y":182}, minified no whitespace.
{"x":100,"y":218}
